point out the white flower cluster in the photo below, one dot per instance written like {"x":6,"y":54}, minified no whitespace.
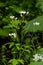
{"x":36,"y":23}
{"x":37,"y":57}
{"x":12,"y":34}
{"x":13,"y":17}
{"x":23,"y":12}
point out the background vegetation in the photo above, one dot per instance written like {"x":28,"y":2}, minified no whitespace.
{"x":21,"y":32}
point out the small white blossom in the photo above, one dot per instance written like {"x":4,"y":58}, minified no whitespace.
{"x":11,"y":17}
{"x":36,"y":23}
{"x":36,"y":57}
{"x":22,"y":12}
{"x":12,"y":34}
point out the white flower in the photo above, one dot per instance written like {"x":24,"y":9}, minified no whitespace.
{"x":37,"y":57}
{"x":11,"y":17}
{"x":21,"y":15}
{"x":22,"y":12}
{"x":36,"y":23}
{"x":12,"y":34}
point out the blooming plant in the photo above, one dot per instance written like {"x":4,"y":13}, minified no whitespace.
{"x":21,"y":32}
{"x":37,"y":57}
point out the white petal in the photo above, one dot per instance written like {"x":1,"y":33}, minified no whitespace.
{"x":14,"y":35}
{"x":21,"y":15}
{"x":23,"y":12}
{"x":27,"y":12}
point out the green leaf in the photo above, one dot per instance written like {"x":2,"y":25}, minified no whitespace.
{"x":16,"y":61}
{"x":15,"y":8}
{"x":2,"y":4}
{"x":36,"y":63}
{"x":11,"y":44}
{"x":40,"y":51}
{"x":29,"y":27}
{"x":21,"y":61}
{"x":4,"y":32}
{"x":40,"y":2}
{"x":13,"y":61}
